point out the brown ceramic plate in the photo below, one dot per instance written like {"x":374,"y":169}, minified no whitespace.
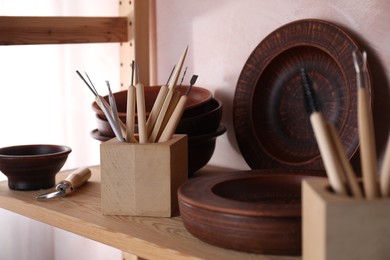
{"x":271,"y":123}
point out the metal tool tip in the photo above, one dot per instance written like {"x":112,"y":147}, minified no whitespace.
{"x":193,"y":79}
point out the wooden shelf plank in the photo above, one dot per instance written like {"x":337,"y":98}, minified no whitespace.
{"x":146,"y":237}
{"x":22,"y":30}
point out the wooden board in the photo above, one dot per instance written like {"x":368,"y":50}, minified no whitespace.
{"x":18,"y":30}
{"x":341,"y":227}
{"x":150,"y":238}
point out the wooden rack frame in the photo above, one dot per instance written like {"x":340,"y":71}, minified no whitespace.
{"x":58,"y":30}
{"x":130,"y":29}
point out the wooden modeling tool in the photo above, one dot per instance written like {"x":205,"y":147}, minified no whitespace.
{"x":157,"y":105}
{"x":141,"y":114}
{"x":130,"y":108}
{"x":171,"y":87}
{"x":385,"y":172}
{"x":177,"y":113}
{"x":175,"y":99}
{"x":321,"y":133}
{"x":351,"y":179}
{"x":366,"y":132}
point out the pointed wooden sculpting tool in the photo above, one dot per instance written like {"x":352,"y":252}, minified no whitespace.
{"x":366,"y":132}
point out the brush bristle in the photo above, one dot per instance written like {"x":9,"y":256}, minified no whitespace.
{"x":309,"y":94}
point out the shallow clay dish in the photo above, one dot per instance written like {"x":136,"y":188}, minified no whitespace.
{"x":253,"y":211}
{"x":272,"y":127}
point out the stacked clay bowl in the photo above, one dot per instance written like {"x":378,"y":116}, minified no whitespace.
{"x":200,"y":121}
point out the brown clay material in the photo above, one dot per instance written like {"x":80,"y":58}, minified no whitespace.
{"x":32,"y":167}
{"x":271,"y":124}
{"x":197,"y":121}
{"x":197,"y":97}
{"x":254,"y":211}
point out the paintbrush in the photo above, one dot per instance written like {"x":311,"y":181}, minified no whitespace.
{"x":366,"y":132}
{"x":177,"y":113}
{"x":171,"y":87}
{"x":324,"y":141}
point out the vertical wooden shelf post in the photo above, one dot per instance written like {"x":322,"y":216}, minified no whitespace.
{"x":137,"y":46}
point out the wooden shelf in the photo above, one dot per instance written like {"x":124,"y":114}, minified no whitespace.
{"x":23,"y":30}
{"x":146,"y":237}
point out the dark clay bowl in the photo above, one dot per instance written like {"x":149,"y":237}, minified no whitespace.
{"x":32,"y":167}
{"x":200,"y":147}
{"x":205,"y":119}
{"x":197,"y":97}
{"x":202,"y":120}
{"x":253,"y":211}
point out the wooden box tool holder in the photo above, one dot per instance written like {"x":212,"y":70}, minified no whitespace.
{"x":142,"y":179}
{"x":340,"y":227}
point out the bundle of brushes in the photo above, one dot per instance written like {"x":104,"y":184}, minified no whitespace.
{"x":164,"y":116}
{"x":341,"y":176}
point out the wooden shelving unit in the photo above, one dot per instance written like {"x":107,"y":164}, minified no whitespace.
{"x":59,"y":30}
{"x":145,"y":237}
{"x":130,"y":29}
{"x":80,"y":213}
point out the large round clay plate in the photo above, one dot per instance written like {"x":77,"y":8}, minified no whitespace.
{"x":272,"y":126}
{"x":255,"y":211}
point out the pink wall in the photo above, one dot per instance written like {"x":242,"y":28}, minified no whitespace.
{"x":222,"y":34}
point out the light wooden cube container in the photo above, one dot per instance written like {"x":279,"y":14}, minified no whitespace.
{"x":142,"y":179}
{"x":340,"y":227}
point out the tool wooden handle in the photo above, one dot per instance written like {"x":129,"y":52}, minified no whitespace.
{"x":130,"y":114}
{"x":385,"y":172}
{"x":173,"y":120}
{"x":367,"y":146}
{"x":346,"y":166}
{"x":156,"y":109}
{"x":157,"y":126}
{"x":328,"y":153}
{"x":176,"y":73}
{"x":172,"y":106}
{"x":78,"y":177}
{"x":141,"y":115}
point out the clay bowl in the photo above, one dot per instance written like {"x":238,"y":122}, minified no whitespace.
{"x":253,"y":211}
{"x":197,"y":97}
{"x":200,"y":148}
{"x":202,"y":120}
{"x":32,"y":167}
